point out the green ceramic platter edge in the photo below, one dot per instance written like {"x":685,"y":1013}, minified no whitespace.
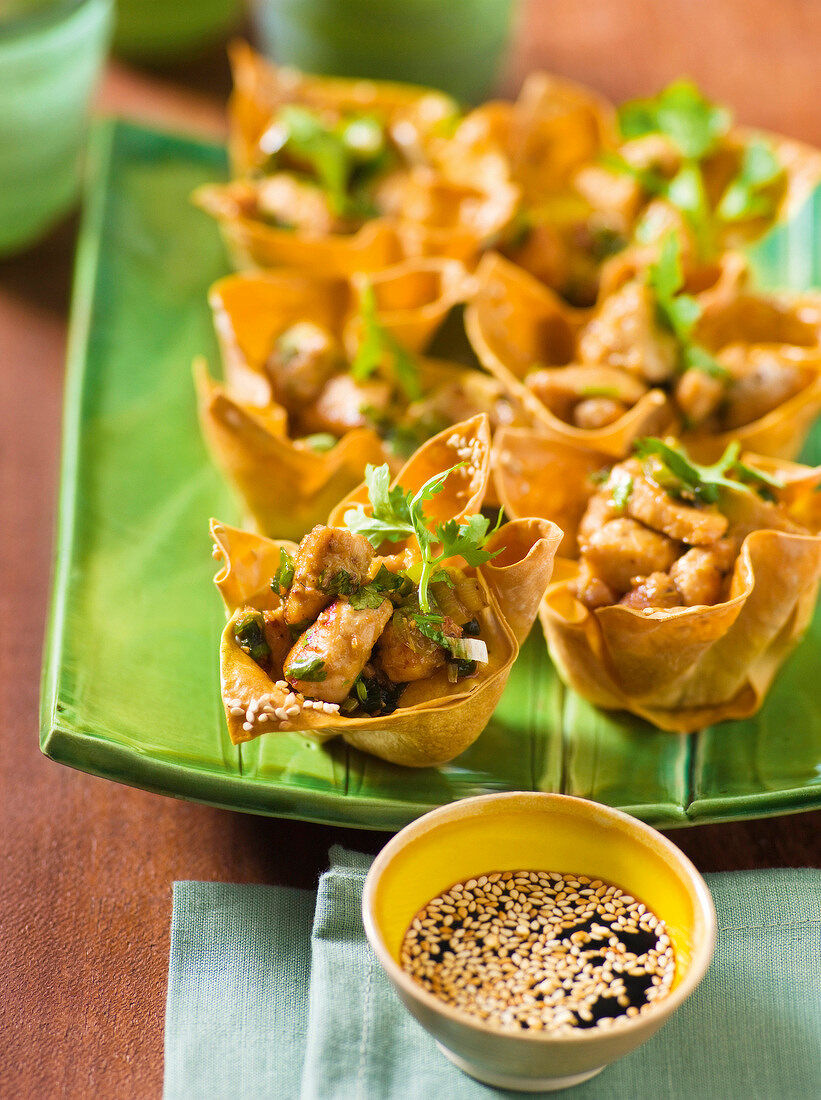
{"x":130,"y":677}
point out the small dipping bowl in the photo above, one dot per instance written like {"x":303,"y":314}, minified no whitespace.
{"x":535,"y":832}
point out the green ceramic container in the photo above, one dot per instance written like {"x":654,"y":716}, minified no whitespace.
{"x":165,"y":30}
{"x":131,"y":679}
{"x":50,"y":57}
{"x":456,"y":45}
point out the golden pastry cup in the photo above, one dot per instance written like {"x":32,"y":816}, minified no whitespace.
{"x":436,"y":719}
{"x":681,"y":668}
{"x":285,"y":486}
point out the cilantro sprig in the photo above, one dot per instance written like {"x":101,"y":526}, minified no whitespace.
{"x":342,"y":157}
{"x":681,"y":113}
{"x":284,"y":577}
{"x":681,"y":476}
{"x":679,"y":312}
{"x":747,"y":195}
{"x":379,"y":349}
{"x":398,"y":514}
{"x":696,"y":126}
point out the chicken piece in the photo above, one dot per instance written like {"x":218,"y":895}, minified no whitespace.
{"x":762,"y":380}
{"x":288,"y":201}
{"x":405,"y":654}
{"x":615,"y":193}
{"x":394,"y":563}
{"x":625,"y":334}
{"x":561,"y":389}
{"x":623,"y":549}
{"x":653,"y":151}
{"x":303,"y":360}
{"x":329,"y":560}
{"x":329,"y":656}
{"x":592,"y":590}
{"x":344,"y":404}
{"x":601,"y":508}
{"x":597,"y":412}
{"x":657,"y":590}
{"x":699,"y":574}
{"x":278,"y":637}
{"x":699,"y":394}
{"x":654,"y":507}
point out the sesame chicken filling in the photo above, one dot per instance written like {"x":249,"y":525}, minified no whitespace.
{"x":354,"y":626}
{"x":327,"y":393}
{"x":649,"y":541}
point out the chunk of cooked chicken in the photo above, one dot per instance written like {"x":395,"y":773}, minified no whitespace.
{"x":405,"y":654}
{"x":329,"y":560}
{"x":328,"y":657}
{"x":653,"y":506}
{"x":597,"y":412}
{"x":600,"y":509}
{"x":615,"y":193}
{"x":623,"y":549}
{"x":343,"y":405}
{"x":278,"y":637}
{"x":304,"y":358}
{"x":763,"y":378}
{"x":298,"y":204}
{"x":624,"y":333}
{"x":699,"y":574}
{"x":699,"y":394}
{"x":592,"y":590}
{"x":657,"y":590}
{"x":562,"y":389}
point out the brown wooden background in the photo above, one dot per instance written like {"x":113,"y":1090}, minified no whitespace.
{"x":87,"y":865}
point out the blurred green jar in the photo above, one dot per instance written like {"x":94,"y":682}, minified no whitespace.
{"x":51,"y":53}
{"x":455,"y":45}
{"x":166,"y":30}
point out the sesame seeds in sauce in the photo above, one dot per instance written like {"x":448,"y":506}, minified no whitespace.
{"x":540,"y":951}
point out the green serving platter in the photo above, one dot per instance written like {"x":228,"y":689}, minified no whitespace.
{"x":130,"y":680}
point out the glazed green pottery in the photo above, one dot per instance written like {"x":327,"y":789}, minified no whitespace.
{"x":50,"y":57}
{"x":457,"y":45}
{"x":131,"y":681}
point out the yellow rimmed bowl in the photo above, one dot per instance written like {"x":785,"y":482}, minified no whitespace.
{"x":535,"y":832}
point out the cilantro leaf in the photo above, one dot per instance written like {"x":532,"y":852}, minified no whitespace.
{"x":379,"y":350}
{"x":745,"y":195}
{"x":697,"y":357}
{"x":684,"y":477}
{"x":680,"y":312}
{"x":336,"y":155}
{"x":372,"y":595}
{"x":249,"y":631}
{"x":397,"y":514}
{"x":284,"y":577}
{"x":621,"y":492}
{"x":682,"y":114}
{"x":390,"y":519}
{"x":307,"y":667}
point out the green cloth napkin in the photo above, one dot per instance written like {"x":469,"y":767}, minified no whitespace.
{"x":261,"y":1005}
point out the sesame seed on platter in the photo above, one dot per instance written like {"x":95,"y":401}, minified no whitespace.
{"x":540,"y":951}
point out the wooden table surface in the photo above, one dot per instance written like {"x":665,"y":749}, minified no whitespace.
{"x":87,"y":865}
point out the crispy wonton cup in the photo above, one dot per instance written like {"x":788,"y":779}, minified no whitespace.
{"x":790,"y":329}
{"x":260,"y":88}
{"x":286,"y":486}
{"x":681,"y":668}
{"x":436,"y":720}
{"x":515,"y":323}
